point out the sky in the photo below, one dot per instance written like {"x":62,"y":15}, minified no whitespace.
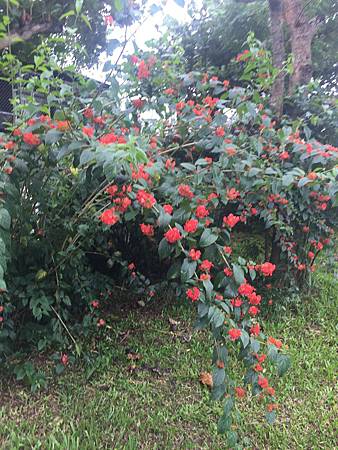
{"x":152,"y":28}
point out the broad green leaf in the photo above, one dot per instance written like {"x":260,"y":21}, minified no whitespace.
{"x":188,"y":269}
{"x":238,"y":274}
{"x":218,"y":376}
{"x":283,"y":363}
{"x":207,"y":238}
{"x":164,"y":249}
{"x":5,"y":219}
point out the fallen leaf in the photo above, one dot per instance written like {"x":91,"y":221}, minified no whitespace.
{"x":206,"y":379}
{"x":134,"y":356}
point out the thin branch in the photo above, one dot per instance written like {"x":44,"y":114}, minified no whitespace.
{"x":23,"y":34}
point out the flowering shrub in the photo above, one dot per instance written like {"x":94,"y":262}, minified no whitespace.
{"x":96,"y":178}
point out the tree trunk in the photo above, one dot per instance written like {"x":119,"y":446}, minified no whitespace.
{"x":302,"y":31}
{"x":278,"y":53}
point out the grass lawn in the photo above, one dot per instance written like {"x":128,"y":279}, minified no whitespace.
{"x":157,"y":402}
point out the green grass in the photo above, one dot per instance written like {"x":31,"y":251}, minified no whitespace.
{"x":156,"y":402}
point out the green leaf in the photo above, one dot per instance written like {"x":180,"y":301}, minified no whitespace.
{"x":67,"y":14}
{"x":270,"y":417}
{"x":238,"y":273}
{"x":113,"y":45}
{"x":78,"y":6}
{"x":187,"y":270}
{"x":218,"y":376}
{"x":224,"y":424}
{"x":86,"y":21}
{"x":283,"y":363}
{"x":164,"y":249}
{"x":207,"y":238}
{"x":303,"y":181}
{"x":118,"y":5}
{"x":174,"y":271}
{"x":245,"y":338}
{"x":188,"y":166}
{"x":52,"y":136}
{"x":287,"y":179}
{"x":5,"y":219}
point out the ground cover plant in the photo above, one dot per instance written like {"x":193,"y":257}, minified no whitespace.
{"x":142,"y":389}
{"x":101,"y":202}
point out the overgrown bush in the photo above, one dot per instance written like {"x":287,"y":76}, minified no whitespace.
{"x":95,"y":194}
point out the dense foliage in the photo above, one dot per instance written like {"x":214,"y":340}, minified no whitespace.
{"x":141,"y":186}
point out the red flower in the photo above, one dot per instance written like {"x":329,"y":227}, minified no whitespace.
{"x":31,"y":139}
{"x":101,"y":323}
{"x":204,"y":277}
{"x":109,"y":217}
{"x":231,"y":220}
{"x":267,"y":269}
{"x":138,"y":103}
{"x":310,"y":255}
{"x":131,"y":266}
{"x":255,"y":330}
{"x":112,"y":190}
{"x":64,"y":359}
{"x":173,"y":235}
{"x":234,"y":334}
{"x":270,"y":390}
{"x":236,"y":302}
{"x":226,"y":83}
{"x":240,"y":392}
{"x":253,"y":311}
{"x":147,"y":230}
{"x":194,"y":254}
{"x":168,"y":209}
{"x":193,"y":294}
{"x":180,"y":106}
{"x":254,"y":299}
{"x":284,"y":155}
{"x":108,"y":20}
{"x":232,"y":194}
{"x":185,"y":191}
{"x":246,"y":289}
{"x":228,"y":272}
{"x":169,"y":91}
{"x":206,"y":265}
{"x":191,"y":225}
{"x":201,"y":211}
{"x":109,"y":138}
{"x":134,"y":59}
{"x":220,"y":131}
{"x":276,"y":342}
{"x":261,"y":358}
{"x":88,"y":113}
{"x":9,"y":145}
{"x":227,"y":250}
{"x":145,"y":199}
{"x":263,"y":382}
{"x":95,"y":303}
{"x":258,"y":368}
{"x":88,"y":131}
{"x":170,"y":164}
{"x":143,"y":70}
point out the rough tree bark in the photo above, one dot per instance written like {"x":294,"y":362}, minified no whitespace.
{"x":278,"y":54}
{"x":302,"y":31}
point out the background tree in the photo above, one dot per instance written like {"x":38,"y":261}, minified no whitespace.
{"x":81,"y":32}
